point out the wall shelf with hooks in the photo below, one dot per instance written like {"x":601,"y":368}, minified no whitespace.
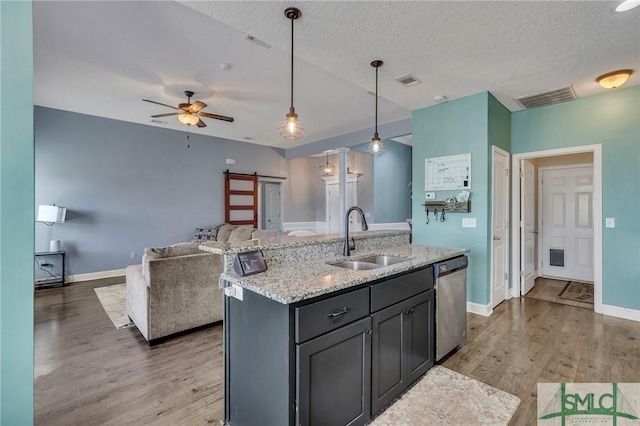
{"x":449,"y":207}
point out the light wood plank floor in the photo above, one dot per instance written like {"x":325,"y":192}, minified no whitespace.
{"x":89,"y":373}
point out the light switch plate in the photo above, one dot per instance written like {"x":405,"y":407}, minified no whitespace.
{"x":231,"y":161}
{"x":468,"y":222}
{"x":429,"y":195}
{"x":610,"y":222}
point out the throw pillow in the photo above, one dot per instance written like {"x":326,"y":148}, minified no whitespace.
{"x":224,"y":232}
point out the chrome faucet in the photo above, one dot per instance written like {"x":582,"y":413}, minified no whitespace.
{"x":347,"y":247}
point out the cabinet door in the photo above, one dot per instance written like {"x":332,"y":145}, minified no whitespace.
{"x":387,"y":351}
{"x":333,"y":380}
{"x":419,"y":335}
{"x":402,"y":347}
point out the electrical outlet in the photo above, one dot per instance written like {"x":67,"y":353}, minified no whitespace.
{"x":610,"y":222}
{"x":429,"y":195}
{"x":134,"y":254}
{"x":468,"y":222}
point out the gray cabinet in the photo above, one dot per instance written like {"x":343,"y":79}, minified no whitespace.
{"x":402,"y":347}
{"x":333,"y":360}
{"x":333,"y":382}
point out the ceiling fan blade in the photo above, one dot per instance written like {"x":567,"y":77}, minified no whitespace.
{"x":197,"y":106}
{"x":154,"y":102}
{"x":217,"y":117}
{"x":200,"y":123}
{"x":164,"y":115}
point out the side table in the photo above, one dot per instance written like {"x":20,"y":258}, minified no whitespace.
{"x":57,"y":279}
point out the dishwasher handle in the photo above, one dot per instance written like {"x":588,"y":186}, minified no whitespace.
{"x":450,"y":266}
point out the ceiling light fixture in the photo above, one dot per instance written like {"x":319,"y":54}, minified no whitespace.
{"x":291,"y":129}
{"x":614,"y":79}
{"x":627,"y":5}
{"x":327,"y":170}
{"x":375,"y":146}
{"x":188,"y":118}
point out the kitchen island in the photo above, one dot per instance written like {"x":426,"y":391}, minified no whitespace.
{"x":308,"y":342}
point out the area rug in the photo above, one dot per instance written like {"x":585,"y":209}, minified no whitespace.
{"x":580,"y":292}
{"x":444,"y":397}
{"x":113,"y":299}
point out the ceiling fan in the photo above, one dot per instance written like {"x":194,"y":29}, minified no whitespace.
{"x":189,"y":113}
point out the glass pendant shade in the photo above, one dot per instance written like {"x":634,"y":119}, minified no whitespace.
{"x":376,"y":148}
{"x":291,"y":129}
{"x":188,"y":119}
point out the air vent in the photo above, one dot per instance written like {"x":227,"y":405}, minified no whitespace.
{"x":258,"y":41}
{"x":549,"y":97}
{"x":407,"y":80}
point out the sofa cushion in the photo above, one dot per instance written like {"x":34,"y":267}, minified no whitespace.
{"x":241,"y":233}
{"x":224,"y":232}
{"x":180,"y":249}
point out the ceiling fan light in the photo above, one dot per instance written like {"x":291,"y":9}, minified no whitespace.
{"x":188,"y":118}
{"x":291,"y":128}
{"x":614,"y":79}
{"x":627,"y":5}
{"x":376,"y":148}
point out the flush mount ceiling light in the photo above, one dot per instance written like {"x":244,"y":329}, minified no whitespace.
{"x":326,"y":169}
{"x":627,"y":5}
{"x":291,"y":129}
{"x":614,"y":79}
{"x":375,"y":146}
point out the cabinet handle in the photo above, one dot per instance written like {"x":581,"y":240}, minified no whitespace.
{"x":408,"y":311}
{"x":369,"y":332}
{"x":339,"y":313}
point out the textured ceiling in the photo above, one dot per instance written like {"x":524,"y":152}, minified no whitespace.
{"x":102,"y":58}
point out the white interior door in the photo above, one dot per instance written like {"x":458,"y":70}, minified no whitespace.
{"x":500,"y":225}
{"x":272,"y":213}
{"x":528,"y":233}
{"x":567,"y":223}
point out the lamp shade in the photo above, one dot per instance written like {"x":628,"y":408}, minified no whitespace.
{"x":188,"y":118}
{"x":51,"y":213}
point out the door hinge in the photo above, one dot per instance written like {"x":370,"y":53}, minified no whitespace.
{"x":521,"y":224}
{"x":521,"y":273}
{"x":506,"y":276}
{"x":521,"y":174}
{"x":507,"y":172}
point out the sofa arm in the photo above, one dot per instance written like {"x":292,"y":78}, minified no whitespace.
{"x":138,"y":298}
{"x":184,"y":293}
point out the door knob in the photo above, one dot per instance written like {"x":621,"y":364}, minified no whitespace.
{"x":496,"y":238}
{"x":535,"y":232}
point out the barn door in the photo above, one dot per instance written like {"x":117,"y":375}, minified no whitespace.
{"x":241,"y":199}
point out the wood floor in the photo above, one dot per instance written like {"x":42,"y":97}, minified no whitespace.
{"x":549,"y":289}
{"x":89,"y":373}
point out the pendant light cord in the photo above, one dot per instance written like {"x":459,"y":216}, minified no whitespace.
{"x":292,"y":19}
{"x":377,"y":101}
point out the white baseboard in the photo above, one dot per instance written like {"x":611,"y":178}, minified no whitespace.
{"x":94,"y":275}
{"x":402,"y":226}
{"x":302,"y":226}
{"x":476,"y":308}
{"x":618,"y":312}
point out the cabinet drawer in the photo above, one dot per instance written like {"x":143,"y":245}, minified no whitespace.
{"x":400,"y":288}
{"x":320,"y":317}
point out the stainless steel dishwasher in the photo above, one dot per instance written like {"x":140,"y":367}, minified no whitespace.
{"x":451,"y":304}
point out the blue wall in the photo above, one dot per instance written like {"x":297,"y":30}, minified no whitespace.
{"x":613,"y":120}
{"x":392,"y":174}
{"x":16,"y":213}
{"x":450,"y":128}
{"x":129,"y":186}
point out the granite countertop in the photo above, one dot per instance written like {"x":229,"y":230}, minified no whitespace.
{"x":293,"y":241}
{"x":290,"y":283}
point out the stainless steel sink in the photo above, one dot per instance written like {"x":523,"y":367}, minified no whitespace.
{"x":357,"y":265}
{"x":383,"y":260}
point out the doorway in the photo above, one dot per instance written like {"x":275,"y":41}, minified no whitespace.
{"x":557,"y":210}
{"x":270,"y":211}
{"x":499,"y":226}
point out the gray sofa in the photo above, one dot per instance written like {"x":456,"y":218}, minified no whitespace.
{"x":175,"y":288}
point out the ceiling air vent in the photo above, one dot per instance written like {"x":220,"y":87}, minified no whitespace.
{"x":549,"y":97}
{"x":407,"y":80}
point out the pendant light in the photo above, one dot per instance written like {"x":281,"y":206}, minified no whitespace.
{"x":327,"y":170}
{"x":375,"y":146}
{"x":291,"y":128}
